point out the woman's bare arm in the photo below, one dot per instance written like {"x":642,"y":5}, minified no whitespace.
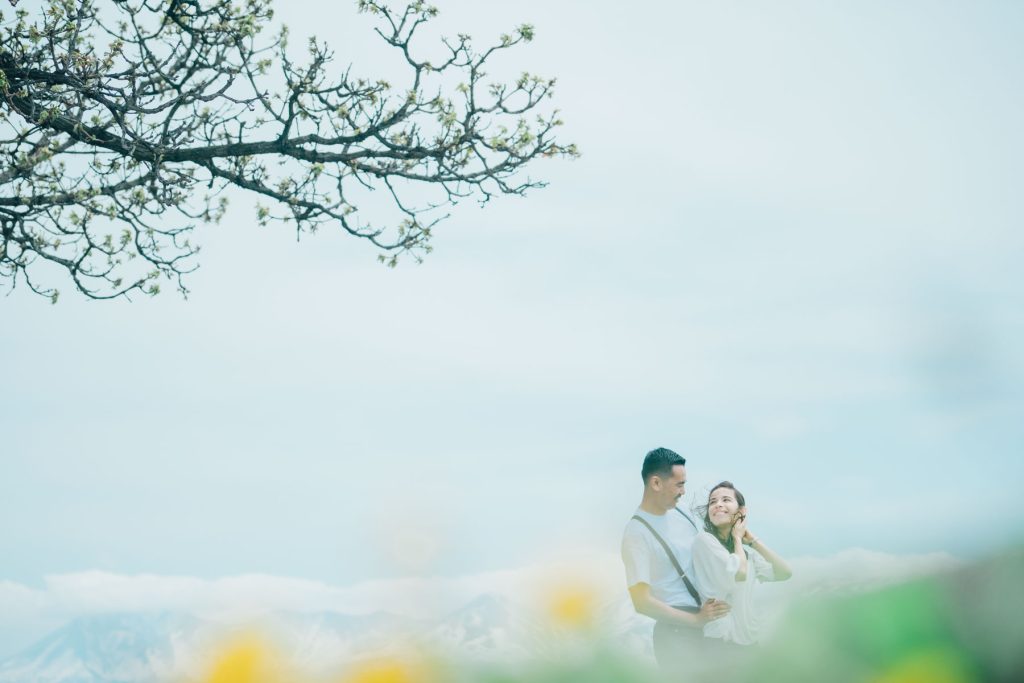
{"x":780,"y":568}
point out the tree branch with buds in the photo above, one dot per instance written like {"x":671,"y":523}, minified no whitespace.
{"x":124,"y":125}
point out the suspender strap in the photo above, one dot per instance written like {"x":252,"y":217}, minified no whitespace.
{"x":671,"y":556}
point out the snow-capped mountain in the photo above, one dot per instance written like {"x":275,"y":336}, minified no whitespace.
{"x":156,"y":648}
{"x":117,"y":648}
{"x":486,"y":626}
{"x":321,"y":641}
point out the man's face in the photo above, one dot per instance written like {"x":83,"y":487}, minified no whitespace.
{"x":672,"y":487}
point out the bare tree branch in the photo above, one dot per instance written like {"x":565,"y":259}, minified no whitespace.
{"x":123,"y":123}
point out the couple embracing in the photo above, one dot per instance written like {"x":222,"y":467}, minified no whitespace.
{"x":694,"y":574}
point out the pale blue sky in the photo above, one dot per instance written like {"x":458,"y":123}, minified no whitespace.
{"x":791,"y":251}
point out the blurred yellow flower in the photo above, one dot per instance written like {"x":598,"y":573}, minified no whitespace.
{"x":386,"y":671}
{"x":573,"y":607}
{"x":246,"y":661}
{"x":930,"y":666}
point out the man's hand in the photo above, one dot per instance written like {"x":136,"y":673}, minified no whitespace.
{"x":713,"y":609}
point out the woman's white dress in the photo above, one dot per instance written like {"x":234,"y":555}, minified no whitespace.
{"x":714,"y":569}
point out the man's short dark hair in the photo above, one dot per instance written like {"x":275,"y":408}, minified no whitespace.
{"x":660,"y":462}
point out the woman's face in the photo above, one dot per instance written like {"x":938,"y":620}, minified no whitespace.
{"x":722,"y":507}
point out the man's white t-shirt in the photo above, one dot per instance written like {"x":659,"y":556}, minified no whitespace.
{"x":645,"y":559}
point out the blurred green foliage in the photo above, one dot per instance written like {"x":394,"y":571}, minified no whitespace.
{"x":962,"y":627}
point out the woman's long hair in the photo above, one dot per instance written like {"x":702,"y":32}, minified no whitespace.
{"x":703,"y":512}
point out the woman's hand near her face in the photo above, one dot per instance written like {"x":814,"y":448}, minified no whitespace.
{"x":748,"y":537}
{"x":739,"y":528}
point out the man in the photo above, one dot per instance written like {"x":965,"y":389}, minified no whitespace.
{"x":656,"y":553}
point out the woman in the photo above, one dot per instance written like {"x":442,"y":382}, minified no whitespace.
{"x":727,"y":570}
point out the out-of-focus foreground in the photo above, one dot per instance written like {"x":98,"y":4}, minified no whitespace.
{"x":959,"y":626}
